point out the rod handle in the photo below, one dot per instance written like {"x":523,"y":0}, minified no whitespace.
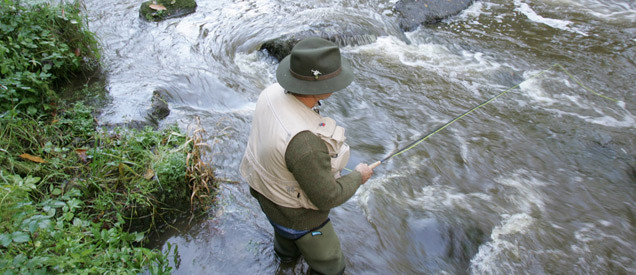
{"x":375,"y":164}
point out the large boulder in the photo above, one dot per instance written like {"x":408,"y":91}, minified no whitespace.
{"x":413,"y":13}
{"x":158,"y":10}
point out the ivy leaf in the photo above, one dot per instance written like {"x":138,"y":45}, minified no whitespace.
{"x":31,"y":110}
{"x":31,"y":181}
{"x":20,"y":237}
{"x":139,"y":236}
{"x":19,"y":259}
{"x":5,"y":240}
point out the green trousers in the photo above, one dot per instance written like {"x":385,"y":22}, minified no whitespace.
{"x":320,"y":248}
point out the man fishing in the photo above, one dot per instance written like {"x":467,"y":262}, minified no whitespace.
{"x":294,"y":156}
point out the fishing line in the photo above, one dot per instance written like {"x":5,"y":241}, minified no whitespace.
{"x":427,"y":136}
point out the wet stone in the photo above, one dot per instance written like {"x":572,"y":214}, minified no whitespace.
{"x":352,"y":36}
{"x":159,"y":108}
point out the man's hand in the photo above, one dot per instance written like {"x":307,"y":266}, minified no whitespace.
{"x":366,"y":170}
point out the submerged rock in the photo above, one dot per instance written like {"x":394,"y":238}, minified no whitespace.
{"x":433,"y":239}
{"x":159,"y":106}
{"x":158,"y":10}
{"x":158,"y":110}
{"x":413,"y":13}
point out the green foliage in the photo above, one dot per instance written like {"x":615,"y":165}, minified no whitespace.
{"x":54,"y":235}
{"x":40,"y":46}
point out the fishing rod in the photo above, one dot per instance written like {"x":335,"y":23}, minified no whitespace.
{"x":427,"y":136}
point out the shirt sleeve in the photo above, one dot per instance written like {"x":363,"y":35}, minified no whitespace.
{"x":307,"y":158}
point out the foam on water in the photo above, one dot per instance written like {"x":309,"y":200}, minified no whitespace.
{"x":591,"y":237}
{"x":260,"y":68}
{"x":434,"y":197}
{"x":188,"y":30}
{"x":438,"y":198}
{"x":573,"y":105}
{"x":475,"y":10}
{"x":627,"y":121}
{"x":478,"y":8}
{"x":471,"y":70}
{"x":532,"y":88}
{"x":554,"y":23}
{"x":521,"y":192}
{"x":532,"y":15}
{"x":616,"y":10}
{"x":519,"y":189}
{"x":492,"y":256}
{"x":431,"y":56}
{"x":524,"y":191}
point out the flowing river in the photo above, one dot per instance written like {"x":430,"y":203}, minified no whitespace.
{"x":542,"y":180}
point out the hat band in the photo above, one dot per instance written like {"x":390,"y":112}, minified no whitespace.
{"x":317,"y":75}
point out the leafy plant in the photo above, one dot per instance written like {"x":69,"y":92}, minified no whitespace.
{"x":40,"y":47}
{"x":56,"y":236}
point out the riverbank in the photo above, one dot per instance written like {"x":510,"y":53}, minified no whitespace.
{"x":76,"y":197}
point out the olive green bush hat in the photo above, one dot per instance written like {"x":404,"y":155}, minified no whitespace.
{"x":314,"y":67}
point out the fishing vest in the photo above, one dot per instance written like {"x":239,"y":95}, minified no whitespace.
{"x":278,"y":117}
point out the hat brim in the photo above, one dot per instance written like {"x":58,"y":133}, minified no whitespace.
{"x":313,"y":87}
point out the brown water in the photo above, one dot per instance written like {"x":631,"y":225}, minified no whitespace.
{"x":542,"y":180}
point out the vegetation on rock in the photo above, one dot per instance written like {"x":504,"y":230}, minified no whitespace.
{"x":158,"y":10}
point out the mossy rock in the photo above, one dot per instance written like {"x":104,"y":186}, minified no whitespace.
{"x":159,"y":10}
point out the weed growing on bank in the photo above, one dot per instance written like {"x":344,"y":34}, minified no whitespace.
{"x":75,"y":198}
